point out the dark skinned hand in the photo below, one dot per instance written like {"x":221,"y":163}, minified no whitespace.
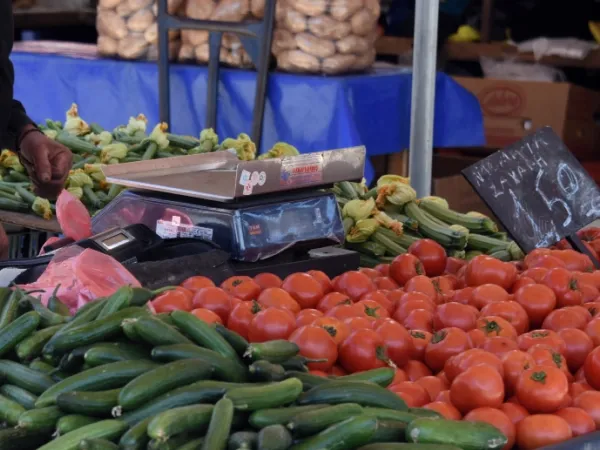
{"x":47,"y":163}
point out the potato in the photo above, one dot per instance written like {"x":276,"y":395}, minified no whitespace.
{"x":342,"y":10}
{"x":133,"y":46}
{"x":108,"y":4}
{"x":140,"y":21}
{"x":186,"y":53}
{"x":328,"y":28}
{"x":353,"y":44}
{"x":298,"y":61}
{"x":257,"y":8}
{"x":201,"y":53}
{"x":199,"y":9}
{"x":366,"y":60}
{"x":363,"y":23}
{"x":312,"y":45}
{"x":194,"y":37}
{"x":151,"y":34}
{"x":153,"y":52}
{"x":282,"y":40}
{"x":312,"y":8}
{"x":338,"y":64}
{"x":110,"y":24}
{"x":231,"y":10}
{"x":107,"y":46}
{"x":136,"y":5}
{"x":173,"y":6}
{"x":124,"y":10}
{"x":374,"y":8}
{"x":294,"y":21}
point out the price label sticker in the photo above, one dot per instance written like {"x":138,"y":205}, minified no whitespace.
{"x":248,"y":188}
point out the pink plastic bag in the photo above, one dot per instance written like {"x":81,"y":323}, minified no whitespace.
{"x":73,"y":217}
{"x":83,"y":275}
{"x":49,"y":241}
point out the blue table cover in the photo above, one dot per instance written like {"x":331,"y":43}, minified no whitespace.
{"x":310,"y":112}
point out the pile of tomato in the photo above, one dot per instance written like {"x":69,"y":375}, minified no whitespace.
{"x":512,"y":344}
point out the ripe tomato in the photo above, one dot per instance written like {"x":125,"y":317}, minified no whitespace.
{"x":207,"y":315}
{"x":363,"y":350}
{"x":487,"y":293}
{"x":453,"y":265}
{"x":422,"y":284}
{"x":337,"y":329}
{"x":545,"y":337}
{"x":574,"y":261}
{"x":457,"y":364}
{"x":546,"y":356}
{"x":540,"y":430}
{"x":316,"y":343}
{"x":592,"y":329}
{"x":267,"y":280}
{"x":419,"y":319}
{"x":215,"y":299}
{"x":371,"y":309}
{"x":476,"y":387}
{"x":537,"y":274}
{"x":172,"y":301}
{"x":397,"y":340}
{"x":578,"y":387}
{"x":343,"y":312}
{"x":514,"y":364}
{"x":589,"y":401}
{"x":514,"y":412}
{"x":433,"y":386}
{"x":589,"y":292}
{"x":306,"y":290}
{"x":385,"y":283}
{"x":383,"y":269}
{"x":354,"y":284}
{"x":420,"y":339}
{"x":278,"y":298}
{"x":405,"y":267}
{"x":242,"y":287}
{"x":562,"y":283}
{"x":591,"y":368}
{"x":415,"y":370}
{"x":579,"y":420}
{"x":413,"y":394}
{"x":496,"y":326}
{"x":534,"y":255}
{"x":579,"y":345}
{"x":522,"y":281}
{"x":371,"y":273}
{"x":463,"y":295}
{"x":476,"y":338}
{"x":548,"y":262}
{"x":270,"y":324}
{"x":198,"y":282}
{"x":444,"y":344}
{"x":322,"y":278}
{"x":307,"y":317}
{"x":593,"y":308}
{"x":496,"y":418}
{"x":332,"y":300}
{"x":411,"y":301}
{"x":337,"y":371}
{"x":542,"y":389}
{"x":358,"y":323}
{"x":380,"y":298}
{"x":564,"y":318}
{"x":487,"y":270}
{"x":455,"y":315}
{"x":537,"y":300}
{"x":499,"y":345}
{"x":431,"y":254}
{"x":447,"y":410}
{"x":241,"y":316}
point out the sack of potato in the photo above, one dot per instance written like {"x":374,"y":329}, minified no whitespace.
{"x":128,"y":29}
{"x":326,"y":36}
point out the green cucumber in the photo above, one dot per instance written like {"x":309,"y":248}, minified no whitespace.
{"x":236,"y":341}
{"x":100,"y":355}
{"x":274,"y":437}
{"x":465,"y":435}
{"x":186,"y":419}
{"x":309,"y":380}
{"x":116,"y":302}
{"x":11,"y":308}
{"x":272,"y":395}
{"x":203,"y":334}
{"x":194,"y":444}
{"x":404,"y":446}
{"x":276,"y":351}
{"x":108,"y":376}
{"x":172,"y":444}
{"x":350,"y":433}
{"x":312,"y":422}
{"x":41,"y":366}
{"x":296,"y":363}
{"x":31,"y":347}
{"x":390,"y":414}
{"x":424,"y":412}
{"x":389,"y":431}
{"x":24,"y":398}
{"x":24,"y":377}
{"x":279,"y":416}
{"x":18,"y":330}
{"x":130,"y":332}
{"x":10,"y":411}
{"x":161,"y":380}
{"x":56,"y":306}
{"x":166,"y":318}
{"x":366,"y":394}
{"x":95,"y":404}
{"x":262,"y":370}
{"x":242,"y":440}
{"x":105,"y":429}
{"x":97,"y":444}
{"x":155,"y":332}
{"x":136,"y":438}
{"x":41,"y":419}
{"x":19,"y":439}
{"x":224,"y":368}
{"x":5,"y":294}
{"x":219,"y":426}
{"x":47,"y":317}
{"x":71,"y":422}
{"x":382,"y":376}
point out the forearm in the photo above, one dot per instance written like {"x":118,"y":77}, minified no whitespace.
{"x":18,"y":119}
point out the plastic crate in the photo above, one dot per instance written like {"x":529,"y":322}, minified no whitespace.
{"x":26,"y":243}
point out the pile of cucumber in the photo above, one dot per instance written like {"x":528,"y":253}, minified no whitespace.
{"x":116,"y":376}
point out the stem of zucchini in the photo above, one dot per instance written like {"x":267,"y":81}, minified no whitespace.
{"x":150,"y":151}
{"x":26,"y":195}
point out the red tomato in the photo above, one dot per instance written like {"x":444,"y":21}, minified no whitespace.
{"x":496,"y":326}
{"x":499,"y":345}
{"x":455,"y":315}
{"x":337,"y":329}
{"x":433,"y":386}
{"x":241,"y":316}
{"x":546,"y":356}
{"x":537,"y":274}
{"x":371,"y":273}
{"x":563,"y":284}
{"x":444,"y":344}
{"x":514,"y":364}
{"x":447,"y":410}
{"x":413,"y":394}
{"x":476,"y":338}
{"x":522,"y":281}
{"x":564,"y":318}
{"x":358,"y":323}
{"x":589,"y":401}
{"x":476,"y":387}
{"x":316,"y":343}
{"x":207,"y":315}
{"x":172,"y":301}
{"x":459,"y":363}
{"x":332,"y":300}
{"x":537,"y":300}
{"x":363,"y":350}
{"x":383,"y":269}
{"x":514,"y":412}
{"x":463,"y":296}
{"x":431,"y":254}
{"x":354,"y":284}
{"x":420,"y":339}
{"x":487,"y":270}
{"x":589,"y":292}
{"x":579,"y":420}
{"x":198,"y":282}
{"x":267,"y":280}
{"x":307,"y":317}
{"x":422,"y":284}
{"x":545,"y":337}
{"x":496,"y":418}
{"x":548,"y":262}
{"x":278,"y":298}
{"x":337,"y":371}
{"x":242,"y":287}
{"x":591,"y":368}
{"x":215,"y":299}
{"x":371,"y":309}
{"x":405,"y":267}
{"x":419,"y":319}
{"x":542,"y":389}
{"x":411,"y":301}
{"x":540,"y":430}
{"x":399,"y":377}
{"x":485,"y":294}
{"x":343,"y":312}
{"x":453,"y":265}
{"x":270,"y":324}
{"x":415,"y":370}
{"x":385,"y":283}
{"x":322,"y":278}
{"x":306,"y":290}
{"x":574,"y":261}
{"x":578,"y":387}
{"x":398,"y":341}
{"x":579,"y":345}
{"x":592,"y":329}
{"x":381,"y":299}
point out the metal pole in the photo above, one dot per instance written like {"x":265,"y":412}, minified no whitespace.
{"x":423,"y":95}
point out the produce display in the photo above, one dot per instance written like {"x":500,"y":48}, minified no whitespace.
{"x":383,"y":222}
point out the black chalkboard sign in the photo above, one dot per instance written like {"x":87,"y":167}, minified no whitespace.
{"x":538,"y":190}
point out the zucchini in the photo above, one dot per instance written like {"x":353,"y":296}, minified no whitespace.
{"x":262,"y":370}
{"x":11,"y":307}
{"x":105,"y":429}
{"x":180,"y":420}
{"x":279,"y":416}
{"x":476,"y":224}
{"x":465,"y":435}
{"x":161,"y":380}
{"x":47,"y":317}
{"x":116,"y":302}
{"x":17,"y":330}
{"x":392,"y":247}
{"x":276,"y":351}
{"x":10,"y":411}
{"x":382,"y":376}
{"x":109,"y":376}
{"x":155,"y":332}
{"x":403,"y":446}
{"x":184,"y":142}
{"x":224,"y":368}
{"x":350,"y":433}
{"x":389,"y":431}
{"x":75,"y":144}
{"x":274,"y":437}
{"x":432,"y":229}
{"x":405,"y":240}
{"x":31,"y":347}
{"x":103,"y":354}
{"x":41,"y":419}
{"x":237,"y":342}
{"x":242,"y":440}
{"x":19,"y":439}
{"x":24,"y":377}
{"x":347,"y":189}
{"x":219,"y":426}
{"x":309,"y":380}
{"x":312,"y":422}
{"x":95,"y":404}
{"x":203,"y":334}
{"x":24,"y":398}
{"x":407,"y":222}
{"x":366,"y":394}
{"x":72,"y":422}
{"x":136,"y":438}
{"x":97,"y":444}
{"x":272,"y":395}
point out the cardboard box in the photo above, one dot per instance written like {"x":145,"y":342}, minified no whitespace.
{"x":513,"y":109}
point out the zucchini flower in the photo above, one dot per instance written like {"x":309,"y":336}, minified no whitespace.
{"x":477,"y":214}
{"x":76,"y":192}
{"x":74,"y":124}
{"x":280,"y":150}
{"x":159,"y":135}
{"x":96,"y":174}
{"x":387,"y":179}
{"x":10,"y":160}
{"x":361,"y":188}
{"x":437,"y":200}
{"x":209,"y":141}
{"x":100,"y":140}
{"x":244,"y":148}
{"x":362,"y":231}
{"x":113,"y":153}
{"x":42,"y":208}
{"x":358,"y":209}
{"x":396,"y":193}
{"x":136,"y":125}
{"x":78,"y":178}
{"x":385,"y":220}
{"x":50,"y":133}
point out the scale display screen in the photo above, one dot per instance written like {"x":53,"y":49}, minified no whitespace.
{"x":115,"y":241}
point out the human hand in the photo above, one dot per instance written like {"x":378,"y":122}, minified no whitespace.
{"x":47,"y":163}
